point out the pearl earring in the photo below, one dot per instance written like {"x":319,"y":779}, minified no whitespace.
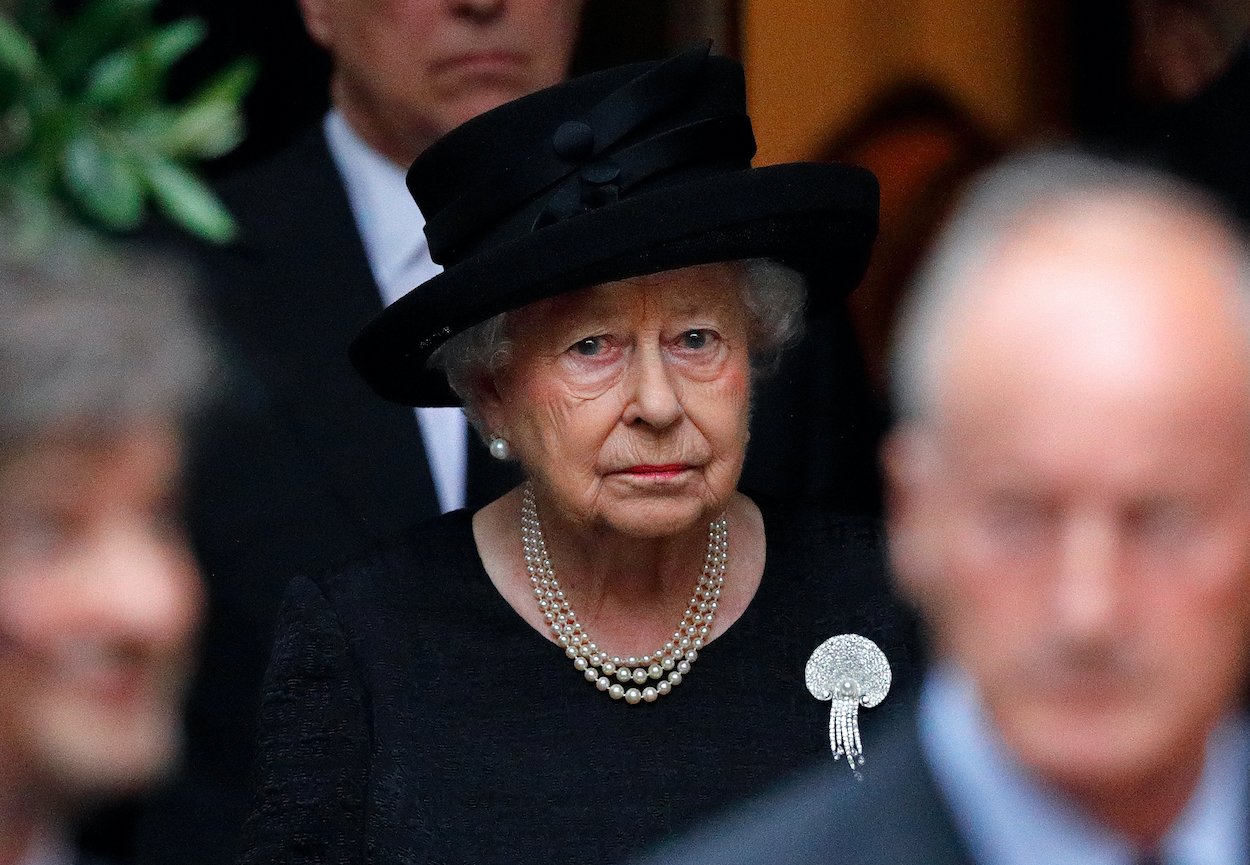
{"x":499,"y":448}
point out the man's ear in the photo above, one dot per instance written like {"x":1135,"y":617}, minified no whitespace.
{"x":908,"y":462}
{"x":318,"y":20}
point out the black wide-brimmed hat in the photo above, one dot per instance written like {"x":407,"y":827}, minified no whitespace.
{"x":620,"y":173}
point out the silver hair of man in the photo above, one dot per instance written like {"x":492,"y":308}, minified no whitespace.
{"x":93,"y":341}
{"x":998,"y":203}
{"x":774,"y":296}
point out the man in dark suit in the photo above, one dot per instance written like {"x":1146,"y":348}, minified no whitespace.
{"x":302,"y":464}
{"x":1069,"y":509}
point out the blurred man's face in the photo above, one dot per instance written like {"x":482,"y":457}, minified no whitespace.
{"x":99,"y":602}
{"x":1075,"y":522}
{"x":408,"y":71}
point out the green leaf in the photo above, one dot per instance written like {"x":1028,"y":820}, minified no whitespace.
{"x":172,"y":42}
{"x":211,"y":123}
{"x":206,"y":130}
{"x":104,"y":183}
{"x":229,"y":85}
{"x":18,"y":55}
{"x":132,"y":76}
{"x":115,"y":80}
{"x":188,"y":201}
{"x":84,"y":117}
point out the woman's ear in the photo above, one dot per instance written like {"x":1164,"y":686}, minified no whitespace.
{"x":489,"y":402}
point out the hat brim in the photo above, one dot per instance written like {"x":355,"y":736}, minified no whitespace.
{"x":819,"y":219}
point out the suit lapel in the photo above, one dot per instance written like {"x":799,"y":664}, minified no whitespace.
{"x":919,"y":826}
{"x":894,"y":816}
{"x":317,"y":293}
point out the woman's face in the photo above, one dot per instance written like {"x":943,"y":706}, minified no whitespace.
{"x":627,"y":403}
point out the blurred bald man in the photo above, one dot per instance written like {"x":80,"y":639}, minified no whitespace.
{"x":1070,"y":512}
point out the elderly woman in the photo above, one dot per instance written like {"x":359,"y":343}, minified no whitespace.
{"x":617,"y":647}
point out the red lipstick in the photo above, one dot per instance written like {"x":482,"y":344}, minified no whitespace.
{"x":662,"y":471}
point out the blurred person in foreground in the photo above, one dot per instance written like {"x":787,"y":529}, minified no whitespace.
{"x":100,"y":365}
{"x":303,"y":466}
{"x":1070,"y":510}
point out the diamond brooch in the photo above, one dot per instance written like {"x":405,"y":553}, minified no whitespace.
{"x":851,"y":671}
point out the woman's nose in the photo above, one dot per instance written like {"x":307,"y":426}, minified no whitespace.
{"x":655,"y":401}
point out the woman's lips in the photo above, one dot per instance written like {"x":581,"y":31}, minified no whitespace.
{"x":668,"y":470}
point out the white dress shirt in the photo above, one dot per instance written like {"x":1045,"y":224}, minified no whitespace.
{"x":1009,"y":817}
{"x":393,"y":231}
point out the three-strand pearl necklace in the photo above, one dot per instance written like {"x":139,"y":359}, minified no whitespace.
{"x":666,"y":665}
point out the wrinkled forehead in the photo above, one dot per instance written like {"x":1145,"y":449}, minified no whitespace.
{"x":710,"y":289}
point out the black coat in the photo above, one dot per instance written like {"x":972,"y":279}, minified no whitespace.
{"x":411,"y":716}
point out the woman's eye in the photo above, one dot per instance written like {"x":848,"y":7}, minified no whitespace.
{"x":589,"y":347}
{"x":695,"y":339}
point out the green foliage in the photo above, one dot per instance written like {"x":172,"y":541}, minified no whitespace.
{"x":86,"y":133}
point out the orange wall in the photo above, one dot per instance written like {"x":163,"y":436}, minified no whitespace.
{"x":813,"y":64}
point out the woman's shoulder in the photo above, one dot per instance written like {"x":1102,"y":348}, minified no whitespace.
{"x":416,"y":561}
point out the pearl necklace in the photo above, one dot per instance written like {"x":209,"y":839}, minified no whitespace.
{"x":667,"y":664}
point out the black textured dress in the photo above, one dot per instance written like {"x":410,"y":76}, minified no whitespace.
{"x":411,"y":716}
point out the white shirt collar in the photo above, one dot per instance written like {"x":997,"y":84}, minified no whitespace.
{"x":1008,"y":817}
{"x":390,"y":223}
{"x":393,"y":232}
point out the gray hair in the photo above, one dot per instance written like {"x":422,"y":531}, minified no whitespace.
{"x":999,"y":202}
{"x":92,"y":341}
{"x":774,"y":296}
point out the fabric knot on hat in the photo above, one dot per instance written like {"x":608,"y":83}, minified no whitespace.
{"x":591,"y":161}
{"x":574,"y":141}
{"x":591,"y":187}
